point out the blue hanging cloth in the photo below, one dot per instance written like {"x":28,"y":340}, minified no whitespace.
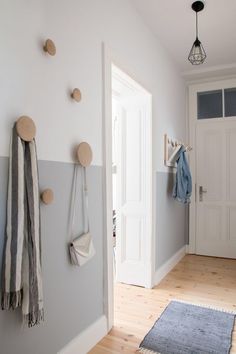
{"x":182,"y":190}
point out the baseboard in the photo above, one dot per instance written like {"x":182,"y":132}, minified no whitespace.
{"x":86,"y":340}
{"x":169,"y":265}
{"x":187,"y":249}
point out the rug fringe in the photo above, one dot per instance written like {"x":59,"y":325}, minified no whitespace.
{"x":205,"y":306}
{"x":146,"y":351}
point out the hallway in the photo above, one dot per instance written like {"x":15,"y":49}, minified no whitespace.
{"x":203,"y":280}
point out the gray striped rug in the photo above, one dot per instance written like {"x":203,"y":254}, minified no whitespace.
{"x":190,"y":329}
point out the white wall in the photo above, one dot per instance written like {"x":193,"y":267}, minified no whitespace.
{"x":35,"y":84}
{"x":38,"y":85}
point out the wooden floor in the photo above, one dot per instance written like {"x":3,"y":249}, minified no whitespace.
{"x":197,"y":279}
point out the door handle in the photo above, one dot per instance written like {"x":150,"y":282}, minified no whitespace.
{"x":201,"y":191}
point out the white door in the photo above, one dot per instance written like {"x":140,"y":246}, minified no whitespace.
{"x":212,"y":122}
{"x":216,"y":189}
{"x":133,"y":201}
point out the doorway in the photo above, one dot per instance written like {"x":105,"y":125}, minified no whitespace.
{"x":131,"y":177}
{"x":213,"y":135}
{"x":143,"y":219}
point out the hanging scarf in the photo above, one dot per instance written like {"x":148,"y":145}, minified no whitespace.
{"x":21,"y":268}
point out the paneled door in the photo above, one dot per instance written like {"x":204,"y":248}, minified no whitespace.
{"x":132,"y":144}
{"x":133,"y":199}
{"x":132,"y":190}
{"x":216,"y":188}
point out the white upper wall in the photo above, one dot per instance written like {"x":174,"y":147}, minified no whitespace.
{"x":35,"y":84}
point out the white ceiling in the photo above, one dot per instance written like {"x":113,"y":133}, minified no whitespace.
{"x":173,"y":22}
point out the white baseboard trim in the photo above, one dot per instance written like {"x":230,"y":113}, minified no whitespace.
{"x":169,"y":265}
{"x":187,"y":249}
{"x":86,"y":340}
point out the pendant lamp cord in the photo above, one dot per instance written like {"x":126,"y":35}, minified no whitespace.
{"x":196,"y":25}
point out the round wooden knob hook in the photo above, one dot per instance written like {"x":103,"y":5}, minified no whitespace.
{"x":26,"y":128}
{"x":50,"y":47}
{"x":47,"y":196}
{"x":84,"y":154}
{"x":76,"y":95}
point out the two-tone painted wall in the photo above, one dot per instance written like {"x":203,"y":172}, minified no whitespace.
{"x":35,"y":84}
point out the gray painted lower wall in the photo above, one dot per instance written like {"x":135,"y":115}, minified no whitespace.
{"x":171,"y":220}
{"x":73,"y":297}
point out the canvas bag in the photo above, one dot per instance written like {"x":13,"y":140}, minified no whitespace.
{"x":81,"y":248}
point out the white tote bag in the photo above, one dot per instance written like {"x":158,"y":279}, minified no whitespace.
{"x":81,"y":248}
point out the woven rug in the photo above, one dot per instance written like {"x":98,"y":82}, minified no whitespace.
{"x":190,"y":329}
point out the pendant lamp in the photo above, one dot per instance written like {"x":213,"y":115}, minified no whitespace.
{"x":197,"y":53}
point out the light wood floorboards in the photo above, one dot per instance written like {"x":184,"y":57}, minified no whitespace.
{"x":196,"y":279}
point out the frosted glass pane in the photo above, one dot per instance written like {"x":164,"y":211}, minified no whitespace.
{"x":209,"y":104}
{"x":230,"y":102}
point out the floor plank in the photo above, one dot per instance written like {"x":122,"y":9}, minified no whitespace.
{"x":197,"y":279}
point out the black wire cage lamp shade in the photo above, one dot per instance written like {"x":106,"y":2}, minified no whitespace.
{"x":197,"y":53}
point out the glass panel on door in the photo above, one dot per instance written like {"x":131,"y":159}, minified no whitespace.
{"x":230,"y":102}
{"x":209,"y":104}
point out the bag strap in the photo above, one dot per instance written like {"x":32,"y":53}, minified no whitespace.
{"x":73,"y":199}
{"x":85,"y":202}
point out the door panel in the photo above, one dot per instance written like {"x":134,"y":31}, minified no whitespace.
{"x":209,"y":160}
{"x":231,"y":164}
{"x":212,"y":216}
{"x":131,"y":162}
{"x":216,"y":173}
{"x":232,"y":223}
{"x":132,"y":245}
{"x":132,"y":210}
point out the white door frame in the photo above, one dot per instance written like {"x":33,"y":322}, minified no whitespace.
{"x":108,"y":59}
{"x":193,"y":89}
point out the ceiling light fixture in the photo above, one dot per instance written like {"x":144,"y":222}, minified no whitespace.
{"x":197,"y":53}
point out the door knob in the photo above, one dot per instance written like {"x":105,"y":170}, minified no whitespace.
{"x":201,"y":191}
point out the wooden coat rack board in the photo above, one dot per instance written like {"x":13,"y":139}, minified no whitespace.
{"x":26,"y":130}
{"x":171,"y":148}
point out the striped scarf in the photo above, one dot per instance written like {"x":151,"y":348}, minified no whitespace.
{"x":21,"y":269}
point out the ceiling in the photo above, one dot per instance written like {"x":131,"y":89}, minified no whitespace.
{"x":173,"y":22}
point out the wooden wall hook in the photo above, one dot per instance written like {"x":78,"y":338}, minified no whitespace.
{"x":50,"y":47}
{"x":76,"y":95}
{"x":26,"y":128}
{"x":84,"y":154}
{"x":47,"y":196}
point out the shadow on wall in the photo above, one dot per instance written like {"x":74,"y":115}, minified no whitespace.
{"x":170,"y":185}
{"x":172,"y":219}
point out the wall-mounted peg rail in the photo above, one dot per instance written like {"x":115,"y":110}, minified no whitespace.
{"x":171,"y":148}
